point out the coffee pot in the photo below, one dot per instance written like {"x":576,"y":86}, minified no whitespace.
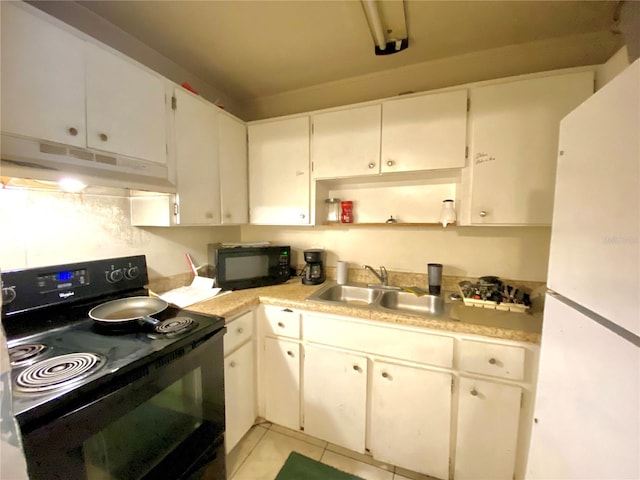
{"x":313,"y":272}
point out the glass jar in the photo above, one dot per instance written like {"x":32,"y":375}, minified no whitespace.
{"x":332,"y":210}
{"x":346,"y":214}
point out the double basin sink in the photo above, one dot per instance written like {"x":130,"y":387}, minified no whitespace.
{"x":381,"y":298}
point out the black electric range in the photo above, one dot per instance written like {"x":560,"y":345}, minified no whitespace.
{"x":63,"y":361}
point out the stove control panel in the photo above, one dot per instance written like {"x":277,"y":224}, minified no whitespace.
{"x":33,"y":288}
{"x":62,"y":280}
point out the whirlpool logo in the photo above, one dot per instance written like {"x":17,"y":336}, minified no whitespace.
{"x":66,"y":294}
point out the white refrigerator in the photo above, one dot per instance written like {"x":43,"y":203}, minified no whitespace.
{"x":587,"y":408}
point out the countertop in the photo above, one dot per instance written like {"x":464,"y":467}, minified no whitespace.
{"x":525,"y":327}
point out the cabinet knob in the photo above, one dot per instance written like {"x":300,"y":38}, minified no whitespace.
{"x":281,"y":325}
{"x":232,"y":364}
{"x":302,"y":216}
{"x":385,"y":375}
{"x":483,"y":213}
{"x":357,"y":368}
{"x":474,"y":392}
{"x":240,"y":330}
{"x":73,"y":131}
{"x":288,"y":310}
{"x":290,"y":353}
{"x":390,"y":163}
{"x":492,"y":361}
{"x":372,"y":165}
{"x":103,"y":137}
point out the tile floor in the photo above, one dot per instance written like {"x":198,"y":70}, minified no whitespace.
{"x":264,"y":449}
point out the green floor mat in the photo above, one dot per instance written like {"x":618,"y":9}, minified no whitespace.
{"x":299,"y":467}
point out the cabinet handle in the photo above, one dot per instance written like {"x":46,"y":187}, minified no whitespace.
{"x":357,"y":368}
{"x":232,"y":364}
{"x":492,"y":361}
{"x":281,"y":325}
{"x":103,"y":137}
{"x":73,"y":131}
{"x":385,"y":375}
{"x":389,"y":163}
{"x":372,"y":165}
{"x":240,"y":330}
{"x":288,"y":310}
{"x":483,"y":213}
{"x":290,"y":353}
{"x":474,"y":392}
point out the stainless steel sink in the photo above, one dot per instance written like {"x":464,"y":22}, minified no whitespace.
{"x":411,"y":303}
{"x":380,"y":298}
{"x":346,"y":294}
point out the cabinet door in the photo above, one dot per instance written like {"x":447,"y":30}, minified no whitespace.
{"x":240,"y":394}
{"x":411,"y":418}
{"x":335,"y":396}
{"x":43,"y":94}
{"x":424,"y":133}
{"x":513,"y":146}
{"x":197,"y":160}
{"x":281,"y":371}
{"x":125,"y":107}
{"x":279,"y":172}
{"x":234,"y":180}
{"x":346,"y":142}
{"x":487,"y":434}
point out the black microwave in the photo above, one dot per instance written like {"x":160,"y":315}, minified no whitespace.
{"x":239,"y":267}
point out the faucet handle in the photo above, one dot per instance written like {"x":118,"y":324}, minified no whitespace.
{"x":384,"y":275}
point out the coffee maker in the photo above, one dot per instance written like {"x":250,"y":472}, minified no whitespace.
{"x":313,"y":272}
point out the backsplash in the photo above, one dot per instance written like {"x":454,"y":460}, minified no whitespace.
{"x":48,"y":227}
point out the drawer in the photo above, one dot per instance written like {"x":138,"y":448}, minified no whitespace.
{"x":239,"y":330}
{"x":398,"y":343}
{"x":503,"y":361}
{"x":282,"y":322}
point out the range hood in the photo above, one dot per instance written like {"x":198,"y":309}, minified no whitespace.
{"x":34,"y":159}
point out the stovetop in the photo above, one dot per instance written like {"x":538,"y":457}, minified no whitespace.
{"x":59,"y":322}
{"x":122,"y":350}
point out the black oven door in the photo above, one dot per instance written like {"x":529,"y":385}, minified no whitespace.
{"x":167,"y":423}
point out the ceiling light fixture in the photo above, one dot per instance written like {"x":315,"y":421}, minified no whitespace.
{"x":396,"y":25}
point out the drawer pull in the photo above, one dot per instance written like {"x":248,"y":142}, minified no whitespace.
{"x":386,"y":375}
{"x":290,"y":353}
{"x":240,"y":330}
{"x":233,"y":364}
{"x":474,"y":392}
{"x":357,"y":368}
{"x":103,"y":137}
{"x":281,"y":325}
{"x":73,"y":131}
{"x":288,"y":310}
{"x":492,"y":361}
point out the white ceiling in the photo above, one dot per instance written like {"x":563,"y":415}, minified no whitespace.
{"x":257,"y":49}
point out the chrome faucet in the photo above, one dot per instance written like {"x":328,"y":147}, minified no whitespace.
{"x":382,"y":276}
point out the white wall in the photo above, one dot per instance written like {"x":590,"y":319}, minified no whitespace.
{"x":509,"y":252}
{"x":47,"y":228}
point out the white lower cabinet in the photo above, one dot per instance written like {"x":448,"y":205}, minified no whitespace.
{"x":487,"y":431}
{"x":448,"y":405}
{"x":335,"y":396}
{"x":281,"y":370}
{"x":240,"y":393}
{"x":239,"y":379}
{"x":411,"y":418}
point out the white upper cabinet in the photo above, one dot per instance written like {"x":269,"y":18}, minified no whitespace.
{"x":43,"y":89}
{"x":125,"y":107}
{"x":279,"y":172}
{"x":426,"y":132}
{"x":513,"y":147}
{"x":234,"y":184}
{"x":60,"y":88}
{"x":198,"y":176}
{"x":346,"y":143}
